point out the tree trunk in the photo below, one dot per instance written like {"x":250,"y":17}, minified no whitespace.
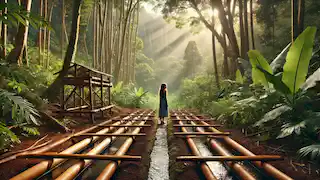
{"x":94,"y":34}
{"x":301,"y":11}
{"x":226,"y":72}
{"x":4,"y":30}
{"x":214,"y":54}
{"x":251,"y":22}
{"x":53,"y":91}
{"x":294,"y":18}
{"x":246,"y":28}
{"x":45,"y":31}
{"x":242,"y":33}
{"x":103,"y":36}
{"x":49,"y":35}
{"x":62,"y":28}
{"x":15,"y":56}
{"x":40,"y":34}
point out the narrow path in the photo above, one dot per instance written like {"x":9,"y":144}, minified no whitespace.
{"x":159,"y":165}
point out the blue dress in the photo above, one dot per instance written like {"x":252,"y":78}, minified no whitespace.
{"x":163,"y":108}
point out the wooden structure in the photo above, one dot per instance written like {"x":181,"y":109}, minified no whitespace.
{"x":85,"y":91}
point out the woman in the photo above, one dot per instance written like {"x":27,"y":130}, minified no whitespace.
{"x":163,"y":109}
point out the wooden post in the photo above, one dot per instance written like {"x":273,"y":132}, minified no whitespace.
{"x":109,"y":95}
{"x":62,"y":99}
{"x":74,"y":94}
{"x":101,"y":93}
{"x":81,"y":98}
{"x":91,"y":98}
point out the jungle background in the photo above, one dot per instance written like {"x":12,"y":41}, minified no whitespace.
{"x":250,"y":64}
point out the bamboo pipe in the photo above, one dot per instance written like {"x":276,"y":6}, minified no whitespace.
{"x":271,"y":170}
{"x":42,"y":167}
{"x":57,"y":143}
{"x":72,"y":171}
{"x":112,"y":166}
{"x":230,"y":158}
{"x":80,"y":156}
{"x":241,"y":171}
{"x":204,"y":167}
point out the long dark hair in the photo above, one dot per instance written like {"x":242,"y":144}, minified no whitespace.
{"x":163,"y":89}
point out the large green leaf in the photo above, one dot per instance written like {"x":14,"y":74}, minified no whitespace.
{"x":276,"y":81}
{"x":277,"y":64}
{"x":273,"y":114}
{"x":296,"y":67}
{"x":239,"y":78}
{"x":256,"y":59}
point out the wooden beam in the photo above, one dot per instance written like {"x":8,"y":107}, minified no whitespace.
{"x":108,"y":135}
{"x":202,"y":133}
{"x":146,"y":125}
{"x":230,"y":158}
{"x":190,"y":125}
{"x":80,"y":156}
{"x":132,"y":120}
{"x":76,"y":108}
{"x":192,"y":120}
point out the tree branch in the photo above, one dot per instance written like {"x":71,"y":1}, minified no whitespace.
{"x":207,"y":24}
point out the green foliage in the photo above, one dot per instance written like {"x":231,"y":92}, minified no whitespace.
{"x":313,"y":151}
{"x":20,"y":109}
{"x":296,"y":67}
{"x":18,"y":14}
{"x":256,"y":59}
{"x":239,"y":77}
{"x":7,"y":136}
{"x":129,"y":96}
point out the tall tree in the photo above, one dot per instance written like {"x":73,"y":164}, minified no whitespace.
{"x":251,"y":24}
{"x":15,"y":56}
{"x":4,"y":30}
{"x":53,"y":90}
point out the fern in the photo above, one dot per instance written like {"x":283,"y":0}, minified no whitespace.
{"x":21,"y":110}
{"x":30,"y":130}
{"x":313,"y":151}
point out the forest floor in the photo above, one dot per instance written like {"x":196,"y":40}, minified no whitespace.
{"x":292,"y":166}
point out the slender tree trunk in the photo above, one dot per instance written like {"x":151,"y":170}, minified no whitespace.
{"x":15,"y":56}
{"x":49,"y":35}
{"x":40,"y":34}
{"x":301,"y":12}
{"x":226,"y":72}
{"x":62,"y":28}
{"x":4,"y":30}
{"x":94,"y":34}
{"x":246,"y":28}
{"x":135,"y":42}
{"x":103,"y":35}
{"x":242,"y":33}
{"x":251,"y":22}
{"x":294,"y":18}
{"x":53,"y":91}
{"x":45,"y":30}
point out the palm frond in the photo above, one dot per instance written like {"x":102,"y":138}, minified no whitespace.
{"x":313,"y":151}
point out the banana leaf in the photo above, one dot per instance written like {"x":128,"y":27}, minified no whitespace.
{"x":276,"y":81}
{"x":296,"y":67}
{"x":273,"y":114}
{"x":239,"y":78}
{"x":256,"y":59}
{"x":278,"y":62}
{"x":312,"y":80}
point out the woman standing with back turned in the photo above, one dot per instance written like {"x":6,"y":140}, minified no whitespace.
{"x":163,"y":108}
